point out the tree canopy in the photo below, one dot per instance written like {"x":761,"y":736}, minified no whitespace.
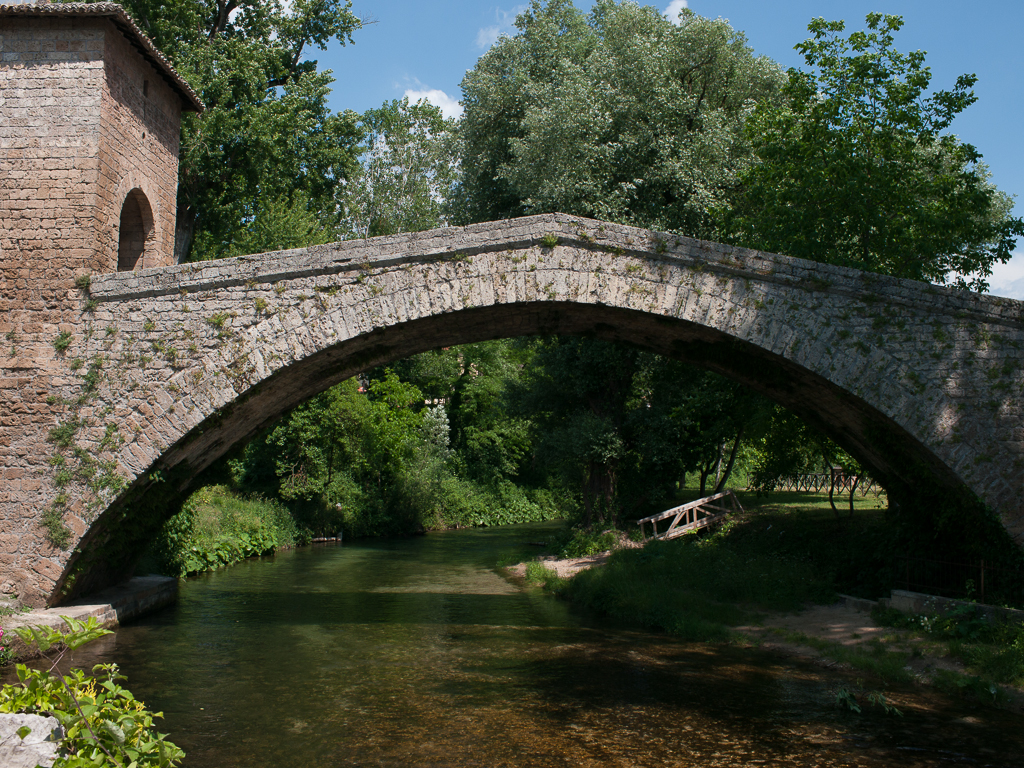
{"x":854,"y":167}
{"x":408,"y":167}
{"x":619,"y":115}
{"x":261,"y":167}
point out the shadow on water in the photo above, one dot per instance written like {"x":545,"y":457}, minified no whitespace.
{"x":416,"y":653}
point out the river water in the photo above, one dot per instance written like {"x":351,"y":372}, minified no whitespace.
{"x":418,"y":653}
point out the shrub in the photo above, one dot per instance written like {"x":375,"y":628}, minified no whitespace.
{"x":102,"y":723}
{"x":216,"y":527}
{"x":62,"y":341}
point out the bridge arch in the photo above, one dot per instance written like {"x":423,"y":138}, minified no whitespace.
{"x":910,"y":378}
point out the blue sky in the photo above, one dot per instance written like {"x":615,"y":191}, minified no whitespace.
{"x":423,"y":49}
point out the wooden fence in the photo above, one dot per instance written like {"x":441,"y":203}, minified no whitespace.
{"x":820,"y":482}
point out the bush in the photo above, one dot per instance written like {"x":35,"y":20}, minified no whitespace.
{"x":216,"y":527}
{"x":103,"y":724}
{"x":992,"y":647}
{"x":579,"y":542}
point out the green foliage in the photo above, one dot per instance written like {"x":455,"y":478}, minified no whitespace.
{"x":391,"y":458}
{"x":6,"y":652}
{"x":216,"y":527}
{"x":62,"y":341}
{"x":620,"y":115}
{"x":619,"y":427}
{"x":537,"y":574}
{"x":855,"y":168}
{"x":853,"y":555}
{"x":103,"y":724}
{"x":217,"y":320}
{"x":261,"y":168}
{"x":57,"y":530}
{"x":406,"y":172}
{"x":695,"y":589}
{"x":278,"y":223}
{"x":991,"y":647}
{"x":580,"y":542}
{"x":64,"y":434}
{"x":848,"y":699}
{"x":972,"y":686}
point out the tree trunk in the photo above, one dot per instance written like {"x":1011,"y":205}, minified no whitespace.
{"x":718,"y":463}
{"x":732,"y":461}
{"x":705,"y":472}
{"x":831,"y":491}
{"x":853,"y":489}
{"x":184,"y":229}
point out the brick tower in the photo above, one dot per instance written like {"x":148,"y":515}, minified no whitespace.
{"x":90,"y":116}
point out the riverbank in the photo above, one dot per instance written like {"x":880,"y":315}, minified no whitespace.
{"x":959,"y":651}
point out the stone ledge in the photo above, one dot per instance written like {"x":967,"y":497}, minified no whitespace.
{"x":111,"y":607}
{"x":919,"y":603}
{"x":858,"y":603}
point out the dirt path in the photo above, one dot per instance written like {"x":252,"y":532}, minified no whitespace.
{"x":565,"y":567}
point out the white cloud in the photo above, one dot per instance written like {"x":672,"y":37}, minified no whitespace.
{"x":673,"y":9}
{"x":488,"y":36}
{"x":450,"y":107}
{"x":1008,"y":279}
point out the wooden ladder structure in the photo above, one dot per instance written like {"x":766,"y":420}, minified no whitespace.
{"x":691,"y":516}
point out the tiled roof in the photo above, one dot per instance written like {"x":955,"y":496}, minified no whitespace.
{"x":122,"y":21}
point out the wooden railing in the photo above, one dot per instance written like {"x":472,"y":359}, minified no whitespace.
{"x":690,"y":517}
{"x":819,"y":482}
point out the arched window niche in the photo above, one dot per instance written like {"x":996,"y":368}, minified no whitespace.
{"x":134,"y":232}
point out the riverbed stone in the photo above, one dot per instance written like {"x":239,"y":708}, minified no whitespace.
{"x":38,"y":748}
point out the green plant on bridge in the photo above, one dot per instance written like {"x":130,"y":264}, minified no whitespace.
{"x":62,"y":341}
{"x":102,"y":722}
{"x":57,"y":530}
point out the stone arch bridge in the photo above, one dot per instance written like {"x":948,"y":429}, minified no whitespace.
{"x":134,"y":382}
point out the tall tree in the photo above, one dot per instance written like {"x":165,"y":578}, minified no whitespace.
{"x":624,"y":116}
{"x":855,"y":168}
{"x":577,"y":394}
{"x":619,"y":115}
{"x":407,"y":170}
{"x":260,"y":169}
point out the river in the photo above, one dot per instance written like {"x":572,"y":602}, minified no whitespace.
{"x":418,"y":653}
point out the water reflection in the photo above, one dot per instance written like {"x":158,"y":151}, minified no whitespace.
{"x":416,"y":653}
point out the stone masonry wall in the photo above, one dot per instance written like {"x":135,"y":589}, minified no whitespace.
{"x":50,"y":105}
{"x":72,"y":119}
{"x":176,"y":365}
{"x":140,"y":127}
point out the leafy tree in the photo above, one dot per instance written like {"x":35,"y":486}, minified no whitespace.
{"x":576,"y":395}
{"x":619,"y":115}
{"x":855,"y":168}
{"x":700,"y":417}
{"x":261,"y":168}
{"x":408,"y":168}
{"x":790,"y":447}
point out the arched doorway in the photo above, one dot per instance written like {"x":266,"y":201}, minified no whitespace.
{"x":134,"y":232}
